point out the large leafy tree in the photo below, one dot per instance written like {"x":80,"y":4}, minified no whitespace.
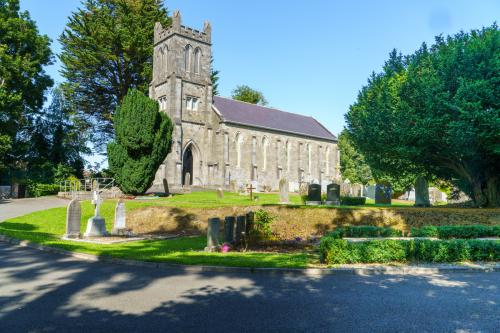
{"x":107,"y":49}
{"x":143,"y":140}
{"x":54,"y":142}
{"x":352,"y":163}
{"x":436,"y":114}
{"x":23,"y":81}
{"x":246,"y":94}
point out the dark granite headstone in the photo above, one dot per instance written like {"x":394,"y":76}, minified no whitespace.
{"x":229,"y":229}
{"x":383,"y":194}
{"x":240,"y":228}
{"x":213,"y":234}
{"x":314,"y":194}
{"x":332,"y":194}
{"x":249,"y":222}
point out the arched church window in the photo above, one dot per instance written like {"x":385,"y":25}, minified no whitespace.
{"x":163,"y":57}
{"x":197,"y":60}
{"x":238,"y":141}
{"x":265,"y":145}
{"x":327,"y":160}
{"x":309,"y":157}
{"x":187,"y":58}
{"x":288,"y":154}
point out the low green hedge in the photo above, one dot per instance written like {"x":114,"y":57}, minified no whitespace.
{"x":456,"y":231}
{"x":365,"y":231}
{"x":340,"y":251}
{"x":352,"y":201}
{"x":39,"y":190}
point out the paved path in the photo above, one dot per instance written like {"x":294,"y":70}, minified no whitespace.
{"x":17,"y":207}
{"x":45,"y":292}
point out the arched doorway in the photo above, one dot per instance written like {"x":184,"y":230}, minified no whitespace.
{"x":187,"y":165}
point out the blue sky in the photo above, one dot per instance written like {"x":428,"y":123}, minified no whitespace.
{"x":308,"y":57}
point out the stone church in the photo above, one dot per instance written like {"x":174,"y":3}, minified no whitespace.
{"x":220,"y":142}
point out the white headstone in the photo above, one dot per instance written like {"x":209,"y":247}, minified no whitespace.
{"x":220,"y":193}
{"x":283,"y":184}
{"x":119,"y":226}
{"x":96,"y":225}
{"x":73,"y":218}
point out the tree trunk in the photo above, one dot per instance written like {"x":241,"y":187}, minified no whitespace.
{"x":492,"y":191}
{"x":422,"y":192}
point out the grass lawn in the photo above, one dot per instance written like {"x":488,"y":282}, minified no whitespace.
{"x":46,"y":227}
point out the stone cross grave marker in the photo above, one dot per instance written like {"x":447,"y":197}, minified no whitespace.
{"x":213,"y":234}
{"x":119,"y":227}
{"x":314,"y":194}
{"x":96,"y":225}
{"x":383,"y":194}
{"x":250,"y":188}
{"x":220,"y":193}
{"x":332,"y":194}
{"x":73,"y":219}
{"x":284,"y":191}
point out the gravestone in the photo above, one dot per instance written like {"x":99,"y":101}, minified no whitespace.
{"x":73,"y":219}
{"x":284,"y":191}
{"x":220,"y":193}
{"x":314,"y":194}
{"x":233,"y":186}
{"x":249,"y":222}
{"x":422,"y":192}
{"x":119,"y":227}
{"x":213,"y":235}
{"x":96,"y":225}
{"x":240,"y":228}
{"x":165,"y":187}
{"x":229,"y":229}
{"x":187,"y":181}
{"x":332,"y":194}
{"x":383,"y":194}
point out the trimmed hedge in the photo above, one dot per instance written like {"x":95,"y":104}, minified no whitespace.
{"x":340,"y":251}
{"x":352,"y":201}
{"x":457,"y":231}
{"x":39,"y":190}
{"x":365,"y":231}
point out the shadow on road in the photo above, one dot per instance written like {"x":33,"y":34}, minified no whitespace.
{"x":50,"y":293}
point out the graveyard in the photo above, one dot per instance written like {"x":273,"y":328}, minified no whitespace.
{"x":213,"y":228}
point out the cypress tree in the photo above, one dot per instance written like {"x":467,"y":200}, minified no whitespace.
{"x":143,"y":140}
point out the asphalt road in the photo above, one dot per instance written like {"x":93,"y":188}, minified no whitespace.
{"x":15,"y":207}
{"x":44,"y":292}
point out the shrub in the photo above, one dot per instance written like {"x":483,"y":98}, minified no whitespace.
{"x":352,"y":201}
{"x":365,"y":231}
{"x":39,"y":190}
{"x":262,"y":224}
{"x":143,"y":137}
{"x":456,"y":231}
{"x":339,"y":251}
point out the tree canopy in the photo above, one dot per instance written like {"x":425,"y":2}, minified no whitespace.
{"x":107,"y":49}
{"x":435,"y":113}
{"x":246,"y":94}
{"x":23,"y":81}
{"x":142,"y":141}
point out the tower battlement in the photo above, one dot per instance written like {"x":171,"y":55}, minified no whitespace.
{"x":177,"y":28}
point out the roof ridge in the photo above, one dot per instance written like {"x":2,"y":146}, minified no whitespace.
{"x":326,"y":129}
{"x":265,"y":107}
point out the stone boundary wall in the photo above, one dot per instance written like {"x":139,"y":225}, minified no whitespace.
{"x":302,"y":222}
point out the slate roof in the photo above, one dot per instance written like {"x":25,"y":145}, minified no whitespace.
{"x":242,"y":113}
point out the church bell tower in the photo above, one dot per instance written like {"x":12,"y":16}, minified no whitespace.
{"x":182,"y":86}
